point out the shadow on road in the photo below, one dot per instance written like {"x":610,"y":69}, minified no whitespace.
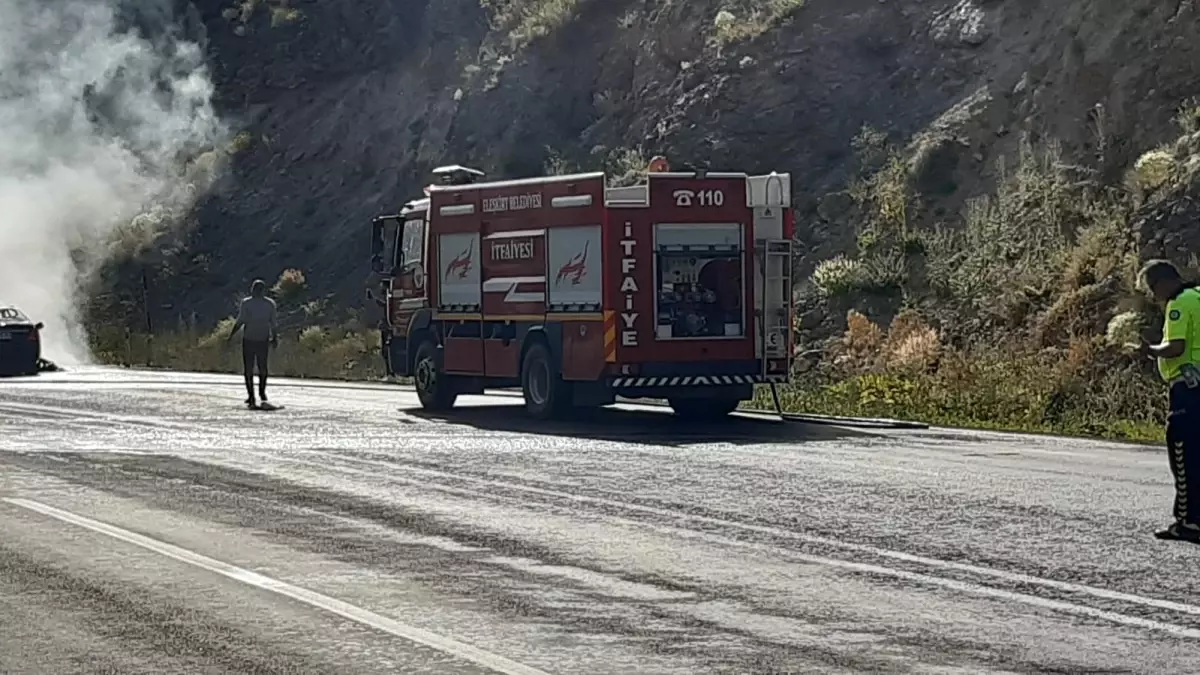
{"x":648,"y":427}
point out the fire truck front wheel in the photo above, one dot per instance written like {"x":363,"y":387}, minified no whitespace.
{"x":703,"y":408}
{"x":546,"y":394}
{"x":434,"y":388}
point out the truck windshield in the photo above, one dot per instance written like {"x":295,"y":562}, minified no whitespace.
{"x":699,"y":281}
{"x":412,"y":245}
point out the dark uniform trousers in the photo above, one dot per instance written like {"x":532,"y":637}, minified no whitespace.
{"x":385,"y":347}
{"x":1183,"y":449}
{"x":254,"y":353}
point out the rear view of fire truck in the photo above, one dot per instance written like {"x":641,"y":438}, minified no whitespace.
{"x":677,"y":288}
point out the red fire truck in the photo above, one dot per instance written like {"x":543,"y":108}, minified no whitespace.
{"x":678,"y":288}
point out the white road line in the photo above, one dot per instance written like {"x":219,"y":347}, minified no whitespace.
{"x":478,"y":656}
{"x":105,"y":417}
{"x":1015,"y":577}
{"x":185,"y":380}
{"x":967,"y":587}
{"x":70,"y":416}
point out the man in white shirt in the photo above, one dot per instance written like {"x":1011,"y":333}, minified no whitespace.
{"x":257,"y":317}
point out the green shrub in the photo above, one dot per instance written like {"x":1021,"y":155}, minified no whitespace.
{"x":314,"y":338}
{"x":527,"y":20}
{"x":838,"y":276}
{"x":1010,"y":388}
{"x":290,"y":285}
{"x":316,"y":351}
{"x":1153,"y":169}
{"x":747,"y":19}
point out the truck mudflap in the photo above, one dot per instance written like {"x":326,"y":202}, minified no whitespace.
{"x":693,"y":380}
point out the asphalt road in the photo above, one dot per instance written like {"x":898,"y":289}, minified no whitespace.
{"x":150,"y":524}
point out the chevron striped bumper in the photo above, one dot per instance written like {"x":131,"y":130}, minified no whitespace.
{"x":693,"y":380}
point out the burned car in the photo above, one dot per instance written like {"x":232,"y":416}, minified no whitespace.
{"x":20,"y":343}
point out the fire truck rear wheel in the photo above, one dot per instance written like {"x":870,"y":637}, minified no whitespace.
{"x":546,"y":395}
{"x":703,"y":408}
{"x":434,"y":388}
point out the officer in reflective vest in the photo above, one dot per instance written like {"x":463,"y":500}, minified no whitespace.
{"x":1178,"y":357}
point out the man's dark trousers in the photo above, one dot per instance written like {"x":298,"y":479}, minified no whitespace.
{"x":1183,"y":450}
{"x":254,"y":353}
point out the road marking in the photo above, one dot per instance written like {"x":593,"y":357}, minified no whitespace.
{"x":1015,"y":577}
{"x":962,"y":587}
{"x":366,"y":617}
{"x":72,"y":417}
{"x":184,"y":380}
{"x":103,"y":416}
{"x":967,"y":587}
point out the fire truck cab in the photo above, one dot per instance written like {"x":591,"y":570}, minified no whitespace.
{"x":678,"y":288}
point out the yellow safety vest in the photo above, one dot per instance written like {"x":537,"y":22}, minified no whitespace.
{"x":1182,"y":322}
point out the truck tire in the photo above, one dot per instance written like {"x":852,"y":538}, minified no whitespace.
{"x":703,"y":408}
{"x":434,"y":387}
{"x":546,"y":395}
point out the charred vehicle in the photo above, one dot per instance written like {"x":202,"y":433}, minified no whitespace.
{"x":20,"y":343}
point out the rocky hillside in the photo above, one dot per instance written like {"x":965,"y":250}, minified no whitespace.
{"x":344,"y":107}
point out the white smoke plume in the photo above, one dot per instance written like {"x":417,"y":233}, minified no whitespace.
{"x":100,"y":105}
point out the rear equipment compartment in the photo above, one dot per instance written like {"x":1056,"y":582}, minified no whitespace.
{"x":699,"y":271}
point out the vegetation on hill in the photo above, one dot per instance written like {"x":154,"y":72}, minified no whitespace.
{"x":976,"y":183}
{"x":1000,"y":319}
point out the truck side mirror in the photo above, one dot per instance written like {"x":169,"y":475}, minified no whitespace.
{"x":39,"y":325}
{"x":377,"y":237}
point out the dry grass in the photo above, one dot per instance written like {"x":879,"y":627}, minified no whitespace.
{"x":907,"y":371}
{"x":1009,"y":303}
{"x":525,"y":21}
{"x":912,"y":344}
{"x":242,"y":12}
{"x":1153,"y":169}
{"x":1083,"y":388}
{"x":624,"y":166}
{"x":314,"y":348}
{"x":1020,"y":313}
{"x":283,"y":15}
{"x":290,"y":286}
{"x":838,"y":276}
{"x":242,"y":142}
{"x":743,"y":20}
{"x":327,"y":352}
{"x":515,"y":25}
